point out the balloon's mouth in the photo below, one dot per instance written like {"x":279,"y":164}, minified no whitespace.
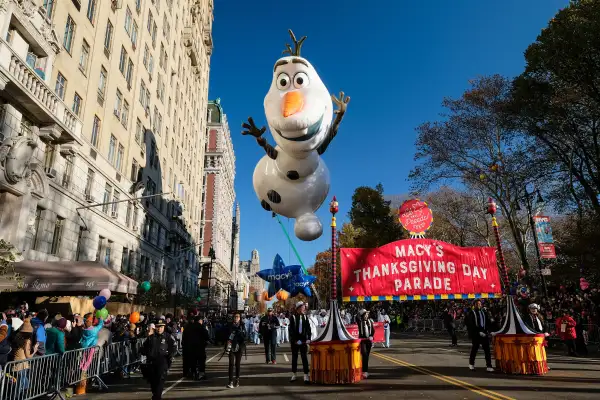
{"x":310,"y":132}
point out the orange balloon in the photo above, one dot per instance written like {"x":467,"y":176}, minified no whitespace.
{"x":265,"y":296}
{"x":134,"y":318}
{"x":282,"y":295}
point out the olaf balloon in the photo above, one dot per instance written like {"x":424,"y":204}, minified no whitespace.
{"x":291,"y":179}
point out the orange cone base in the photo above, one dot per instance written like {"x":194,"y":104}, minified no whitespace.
{"x":521,"y":354}
{"x":335,"y":362}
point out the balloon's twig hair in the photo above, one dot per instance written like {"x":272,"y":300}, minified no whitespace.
{"x":297,"y":45}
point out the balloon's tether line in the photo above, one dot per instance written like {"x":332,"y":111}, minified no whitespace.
{"x":291,"y":244}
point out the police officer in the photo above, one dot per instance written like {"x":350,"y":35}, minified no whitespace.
{"x":159,"y":350}
{"x":269,"y":326}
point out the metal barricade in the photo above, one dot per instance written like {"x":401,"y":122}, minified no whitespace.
{"x":79,"y":365}
{"x":438,"y":326}
{"x":31,"y":378}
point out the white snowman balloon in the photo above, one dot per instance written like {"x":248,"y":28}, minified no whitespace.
{"x":291,"y":179}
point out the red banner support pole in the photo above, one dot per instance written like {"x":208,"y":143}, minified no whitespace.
{"x":492,"y":208}
{"x":333,"y":209}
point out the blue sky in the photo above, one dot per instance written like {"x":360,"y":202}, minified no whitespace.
{"x":396,"y":59}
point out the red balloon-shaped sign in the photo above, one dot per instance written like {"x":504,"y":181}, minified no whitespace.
{"x":415,"y":216}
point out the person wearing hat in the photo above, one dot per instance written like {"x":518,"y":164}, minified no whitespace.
{"x":534,"y":320}
{"x":300,"y":335}
{"x":159,"y":350}
{"x":22,"y":350}
{"x":55,"y":337}
{"x":366,"y":331}
{"x":269,"y":326}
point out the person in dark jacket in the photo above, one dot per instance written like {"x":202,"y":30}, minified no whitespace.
{"x":450,"y":324}
{"x":159,"y":350}
{"x":200,"y":355}
{"x":300,"y":335}
{"x":534,"y":320}
{"x":269,"y":326}
{"x":366,"y":331}
{"x":478,"y":323}
{"x":74,"y":337}
{"x":188,"y":345}
{"x":235,"y":346}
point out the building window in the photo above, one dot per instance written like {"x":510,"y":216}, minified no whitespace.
{"x":135,"y":217}
{"x":146,"y":56}
{"x":69,"y":34}
{"x":100,"y":246}
{"x":154,"y":30}
{"x":80,"y":240}
{"x":61,"y":86}
{"x":68,"y":172}
{"x":128,"y":20}
{"x":125,"y":114}
{"x":95,"y":131}
{"x":36,"y":228}
{"x":85,"y":56}
{"x":106,"y":198}
{"x":107,"y":252}
{"x":150,"y":22}
{"x":120,"y":156}
{"x":91,"y":10}
{"x":138,"y":5}
{"x":138,"y":132}
{"x":125,"y":260}
{"x":49,"y":8}
{"x":89,"y":184}
{"x":128,"y":214}
{"x":143,"y":94}
{"x":49,"y":157}
{"x":129,"y":75}
{"x":118,"y":104}
{"x":134,"y":33}
{"x":112,"y":148}
{"x":151,"y":64}
{"x":57,"y":235}
{"x":108,"y":36}
{"x":115,"y":205}
{"x":123,"y":60}
{"x":77,"y":104}
{"x":102,"y":81}
{"x":134,"y":170}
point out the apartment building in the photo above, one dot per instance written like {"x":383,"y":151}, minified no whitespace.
{"x":252,"y":266}
{"x":220,"y":219}
{"x":104,"y":102}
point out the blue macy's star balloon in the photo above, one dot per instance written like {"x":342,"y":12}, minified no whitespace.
{"x":301,"y":284}
{"x":279,"y":276}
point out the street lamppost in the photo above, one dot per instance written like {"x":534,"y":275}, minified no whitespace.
{"x":211,"y":254}
{"x":539,"y":201}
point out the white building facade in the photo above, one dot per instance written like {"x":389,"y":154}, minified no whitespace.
{"x":101,"y":103}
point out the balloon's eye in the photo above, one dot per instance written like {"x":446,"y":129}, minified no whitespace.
{"x":300,"y":80}
{"x":283,"y":81}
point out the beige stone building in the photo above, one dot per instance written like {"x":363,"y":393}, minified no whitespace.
{"x":105,"y":101}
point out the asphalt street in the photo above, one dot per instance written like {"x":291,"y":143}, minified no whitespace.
{"x":415,"y":367}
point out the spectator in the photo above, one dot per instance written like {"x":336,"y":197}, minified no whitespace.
{"x":39,"y":331}
{"x":565,"y":329}
{"x":74,"y":336}
{"x":55,"y":337}
{"x":89,"y":335}
{"x":4,"y":344}
{"x":24,"y":349}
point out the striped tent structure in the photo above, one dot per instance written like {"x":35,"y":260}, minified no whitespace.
{"x":513,"y":324}
{"x":335,"y":354}
{"x":335,"y":330}
{"x":518,"y":349}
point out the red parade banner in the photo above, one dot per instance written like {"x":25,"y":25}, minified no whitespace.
{"x":418,"y":267}
{"x":377,"y":338}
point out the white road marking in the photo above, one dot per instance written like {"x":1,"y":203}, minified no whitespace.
{"x":182,"y":378}
{"x":286,"y":357}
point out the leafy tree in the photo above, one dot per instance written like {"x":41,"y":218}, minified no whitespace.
{"x":8,"y":256}
{"x":372,"y":219}
{"x":473,"y":144}
{"x":556,"y":100}
{"x":322,"y":270}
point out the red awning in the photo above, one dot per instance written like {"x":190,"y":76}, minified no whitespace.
{"x":69,"y":276}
